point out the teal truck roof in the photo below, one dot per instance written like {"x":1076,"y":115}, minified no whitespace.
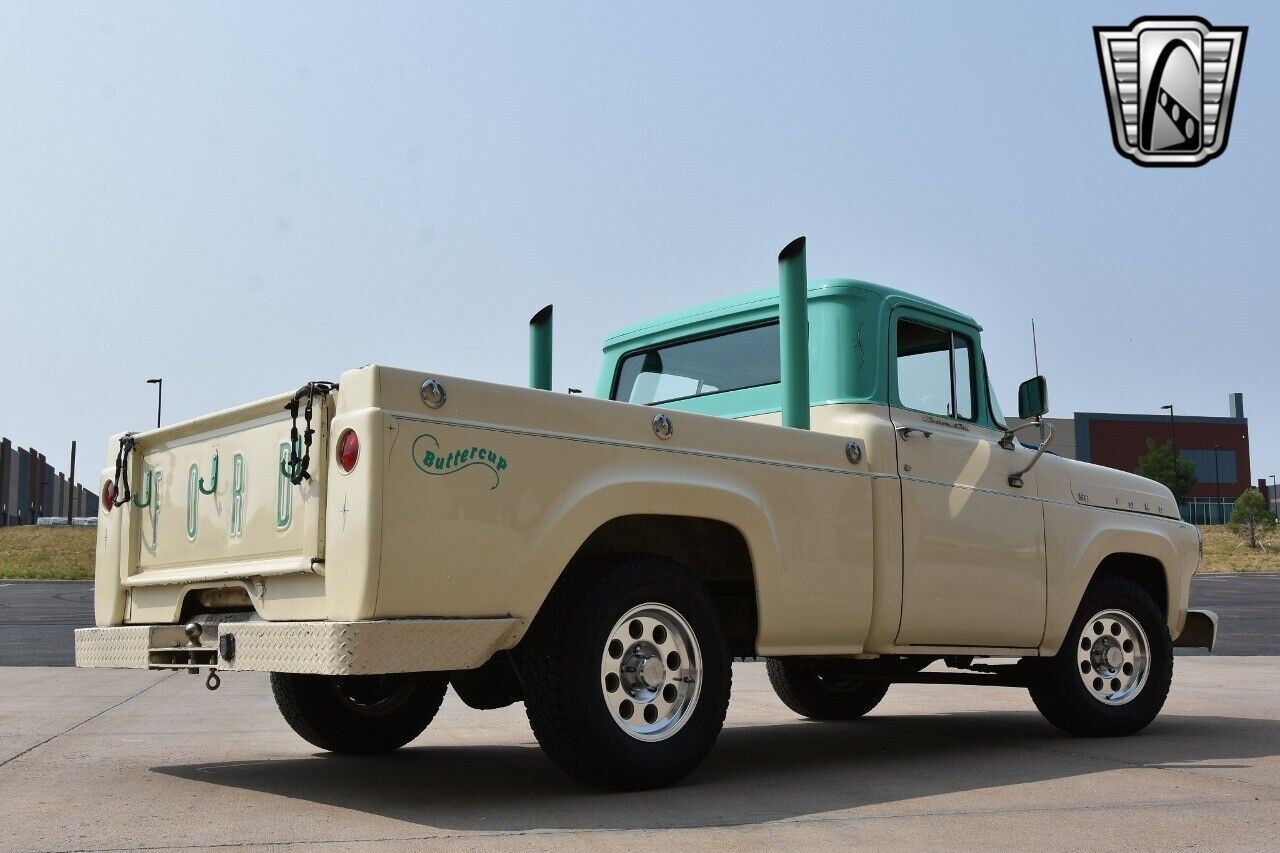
{"x":715,"y":313}
{"x":848,"y":319}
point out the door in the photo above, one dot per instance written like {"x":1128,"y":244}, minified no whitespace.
{"x":973,"y":546}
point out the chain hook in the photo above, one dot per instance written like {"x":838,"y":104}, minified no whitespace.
{"x":295,"y":468}
{"x":123,"y":495}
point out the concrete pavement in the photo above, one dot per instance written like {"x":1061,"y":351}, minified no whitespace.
{"x":102,"y":759}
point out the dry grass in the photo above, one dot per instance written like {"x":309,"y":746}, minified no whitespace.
{"x":28,"y":551}
{"x":67,"y":552}
{"x":1226,"y":552}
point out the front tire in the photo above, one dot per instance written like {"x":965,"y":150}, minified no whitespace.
{"x":358,"y":713}
{"x":1113,"y":672}
{"x":626,"y":675}
{"x":822,"y":692}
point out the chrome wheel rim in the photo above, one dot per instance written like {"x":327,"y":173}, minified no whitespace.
{"x":651,"y":672}
{"x":1112,"y":657}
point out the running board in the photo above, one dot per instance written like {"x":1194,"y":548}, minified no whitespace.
{"x":994,"y":679}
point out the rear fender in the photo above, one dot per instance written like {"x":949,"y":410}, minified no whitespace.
{"x":108,"y":587}
{"x":597,"y":501}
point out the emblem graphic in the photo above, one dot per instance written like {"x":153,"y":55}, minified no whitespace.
{"x":1170,"y":85}
{"x":430,"y":459}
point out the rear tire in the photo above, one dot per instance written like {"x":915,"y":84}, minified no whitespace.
{"x":358,"y":713}
{"x":626,"y":675}
{"x":822,"y":692}
{"x":1112,"y":674}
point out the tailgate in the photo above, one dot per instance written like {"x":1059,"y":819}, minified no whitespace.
{"x":211,"y":501}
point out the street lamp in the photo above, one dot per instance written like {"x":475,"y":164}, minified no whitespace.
{"x":1173,"y":436}
{"x":1275,"y":495}
{"x":159,"y":383}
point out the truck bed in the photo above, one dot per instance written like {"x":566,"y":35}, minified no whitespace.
{"x":473,"y":509}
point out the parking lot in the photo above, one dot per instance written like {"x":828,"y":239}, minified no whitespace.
{"x":113,"y":760}
{"x":102,"y":759}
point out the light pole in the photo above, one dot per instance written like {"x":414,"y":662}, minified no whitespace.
{"x":159,"y":383}
{"x":1275,"y":496}
{"x":1217,"y":480}
{"x":71,"y":486}
{"x":1173,"y":435}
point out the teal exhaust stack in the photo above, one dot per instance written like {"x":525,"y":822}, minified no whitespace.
{"x":540,"y":350}
{"x":793,"y":333}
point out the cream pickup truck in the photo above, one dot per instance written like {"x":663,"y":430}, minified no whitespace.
{"x":872,"y":520}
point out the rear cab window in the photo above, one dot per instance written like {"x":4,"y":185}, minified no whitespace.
{"x":726,"y":361}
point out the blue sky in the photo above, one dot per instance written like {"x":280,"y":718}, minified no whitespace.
{"x":240,"y":197}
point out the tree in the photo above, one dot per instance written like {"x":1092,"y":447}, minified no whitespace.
{"x":1252,"y":519}
{"x":1176,"y":474}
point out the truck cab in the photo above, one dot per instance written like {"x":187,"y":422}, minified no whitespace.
{"x":905,"y":378}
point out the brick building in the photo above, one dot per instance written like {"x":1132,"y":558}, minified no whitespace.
{"x":1219,"y":447}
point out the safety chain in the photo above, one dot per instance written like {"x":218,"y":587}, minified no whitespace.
{"x":295,"y":469}
{"x":123,"y":496}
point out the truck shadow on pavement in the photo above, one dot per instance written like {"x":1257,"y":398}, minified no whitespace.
{"x":755,"y":774}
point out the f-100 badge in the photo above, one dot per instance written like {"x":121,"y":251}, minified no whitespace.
{"x":1170,"y":85}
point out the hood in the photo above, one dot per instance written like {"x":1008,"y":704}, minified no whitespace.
{"x":1094,"y":485}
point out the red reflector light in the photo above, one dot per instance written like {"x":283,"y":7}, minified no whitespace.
{"x":108,"y":495}
{"x":348,"y":450}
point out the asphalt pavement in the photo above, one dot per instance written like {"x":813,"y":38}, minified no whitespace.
{"x":37,"y":617}
{"x":1248,"y":608}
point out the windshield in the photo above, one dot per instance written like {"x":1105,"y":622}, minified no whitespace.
{"x":997,"y":415}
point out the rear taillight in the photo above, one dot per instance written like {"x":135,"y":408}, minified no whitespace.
{"x":348,"y":450}
{"x":108,"y":495}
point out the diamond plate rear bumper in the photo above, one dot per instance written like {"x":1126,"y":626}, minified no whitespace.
{"x":323,"y":648}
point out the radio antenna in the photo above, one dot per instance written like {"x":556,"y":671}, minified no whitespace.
{"x":1035,"y":357}
{"x":1035,"y":354}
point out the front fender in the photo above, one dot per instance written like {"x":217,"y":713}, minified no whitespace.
{"x":1081,"y":538}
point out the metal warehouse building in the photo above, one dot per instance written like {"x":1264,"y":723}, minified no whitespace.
{"x":30,"y":488}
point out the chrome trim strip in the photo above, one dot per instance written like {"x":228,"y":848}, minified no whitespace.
{"x":608,"y":442}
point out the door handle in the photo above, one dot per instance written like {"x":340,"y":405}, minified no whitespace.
{"x":905,"y":432}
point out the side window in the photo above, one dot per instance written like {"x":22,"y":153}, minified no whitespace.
{"x":935,"y":371}
{"x":924,"y":368}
